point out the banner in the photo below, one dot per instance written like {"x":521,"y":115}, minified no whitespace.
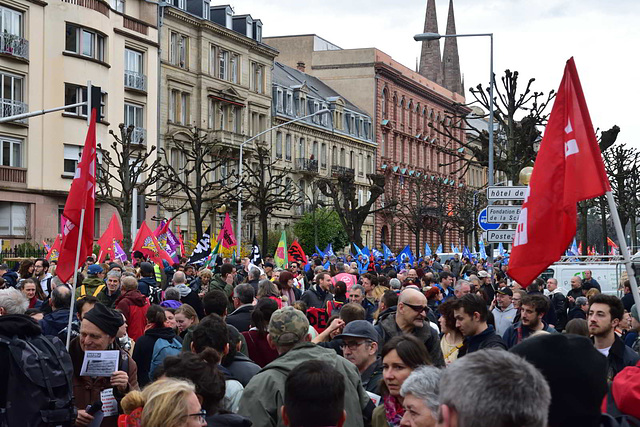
{"x":54,"y":250}
{"x":202,"y":249}
{"x":296,"y":254}
{"x":147,"y":243}
{"x":112,"y":234}
{"x":280,"y":257}
{"x":255,"y":257}
{"x":227,"y":239}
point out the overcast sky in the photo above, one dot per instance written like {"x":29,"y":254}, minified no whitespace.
{"x":533,"y":37}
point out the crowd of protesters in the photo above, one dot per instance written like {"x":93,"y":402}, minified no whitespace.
{"x":324,"y":343}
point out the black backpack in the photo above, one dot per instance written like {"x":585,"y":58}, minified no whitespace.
{"x":39,"y":387}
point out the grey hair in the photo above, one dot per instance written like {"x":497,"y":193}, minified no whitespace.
{"x":55,"y":282}
{"x":579,"y":279}
{"x":13,"y":301}
{"x":179,"y":278}
{"x":395,"y":283}
{"x":423,"y":383}
{"x":494,"y":388}
{"x":358,"y":288}
{"x":114,"y":273}
{"x":254,"y":273}
{"x":340,"y":267}
{"x":580,"y":301}
{"x":171,"y":293}
{"x":245,"y":293}
{"x":461,"y":283}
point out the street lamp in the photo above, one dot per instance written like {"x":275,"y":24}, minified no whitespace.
{"x":436,"y":36}
{"x":239,"y":238}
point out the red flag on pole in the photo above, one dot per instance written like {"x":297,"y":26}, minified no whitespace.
{"x":611,"y":243}
{"x":113,"y":232}
{"x":81,"y":197}
{"x":54,"y":250}
{"x":568,"y":153}
{"x":182,"y":252}
{"x":147,"y":243}
{"x":295,"y":253}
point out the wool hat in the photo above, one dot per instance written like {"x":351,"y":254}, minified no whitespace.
{"x":108,"y":320}
{"x":288,"y":326}
{"x":576,"y":373}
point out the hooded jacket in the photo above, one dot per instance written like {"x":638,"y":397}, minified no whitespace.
{"x":145,"y":284}
{"x":134,"y":306}
{"x":54,"y":322}
{"x":388,"y":328}
{"x":242,"y":368}
{"x":11,"y":277}
{"x":264,"y":395}
{"x":218,"y":283}
{"x":504,"y":318}
{"x":518,"y":332}
{"x":187,"y":296}
{"x":143,"y":351}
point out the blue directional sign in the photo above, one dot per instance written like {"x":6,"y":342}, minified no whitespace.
{"x":482,"y":221}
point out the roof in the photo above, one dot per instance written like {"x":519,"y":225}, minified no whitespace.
{"x":292,"y":77}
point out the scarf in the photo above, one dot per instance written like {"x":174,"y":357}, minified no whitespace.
{"x":393,"y":410}
{"x":184,"y":290}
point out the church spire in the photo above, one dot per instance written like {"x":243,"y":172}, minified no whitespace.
{"x":430,"y":64}
{"x":450,"y":60}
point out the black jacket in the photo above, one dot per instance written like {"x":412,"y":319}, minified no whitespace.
{"x":54,"y":322}
{"x":241,"y":318}
{"x":11,"y":277}
{"x":194,"y":301}
{"x":620,"y":356}
{"x":559,"y":304}
{"x":576,"y":313}
{"x":145,"y":284}
{"x":143,"y":351}
{"x":314,"y":297}
{"x":486,"y":339}
{"x":228,"y":420}
{"x":242,"y":368}
{"x":372,"y":376}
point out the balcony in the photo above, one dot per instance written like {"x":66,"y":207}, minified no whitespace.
{"x":139,"y":136}
{"x":13,"y":175}
{"x":134,"y":80}
{"x":302,"y":209}
{"x":341,"y":170}
{"x":9,"y":107}
{"x":13,"y":45}
{"x":307,"y":166}
{"x":229,"y":138}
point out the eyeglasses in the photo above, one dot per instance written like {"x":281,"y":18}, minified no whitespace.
{"x":416,"y":308}
{"x":202,"y":416}
{"x":353,"y":345}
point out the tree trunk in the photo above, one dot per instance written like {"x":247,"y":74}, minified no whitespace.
{"x":582,"y":208}
{"x":265,"y":233}
{"x":634,"y":234}
{"x":417,"y":251}
{"x":603,"y":220}
{"x":127,"y":241}
{"x":356,"y":234}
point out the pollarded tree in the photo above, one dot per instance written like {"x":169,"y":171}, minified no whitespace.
{"x":125,"y":166}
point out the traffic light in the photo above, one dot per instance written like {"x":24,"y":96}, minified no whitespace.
{"x":96,"y":102}
{"x":141,"y":207}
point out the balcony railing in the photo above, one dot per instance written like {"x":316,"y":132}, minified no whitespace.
{"x":135,"y":80}
{"x":13,"y":45}
{"x":341,"y":170}
{"x":307,"y":165}
{"x":139,"y":136}
{"x":9,"y":108}
{"x":11,"y":174}
{"x":302,"y":209}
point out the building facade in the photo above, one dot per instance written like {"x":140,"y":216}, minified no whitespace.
{"x":321,"y":146}
{"x":48,"y":52}
{"x":216,"y":74}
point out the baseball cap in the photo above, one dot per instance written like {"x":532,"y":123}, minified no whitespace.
{"x":95,"y":269}
{"x":505,"y":291}
{"x":359,"y":329}
{"x":482,"y":274}
{"x":288,"y":326}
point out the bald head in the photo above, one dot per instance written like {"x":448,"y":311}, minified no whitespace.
{"x":412,"y":296}
{"x":412,"y":310}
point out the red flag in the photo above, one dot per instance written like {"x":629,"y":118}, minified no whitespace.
{"x":568,"y":153}
{"x":181,"y":241}
{"x":580,"y":248}
{"x":611,"y":243}
{"x":147,"y":243}
{"x":82,"y":196}
{"x":54,"y":250}
{"x":113,"y":232}
{"x":295,"y":253}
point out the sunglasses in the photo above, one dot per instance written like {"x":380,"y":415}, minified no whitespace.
{"x":416,"y":308}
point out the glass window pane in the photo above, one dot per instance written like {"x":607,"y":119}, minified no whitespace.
{"x":5,"y":218}
{"x":6,"y":153}
{"x":17,"y":154}
{"x":87,"y":43}
{"x":18,"y":219}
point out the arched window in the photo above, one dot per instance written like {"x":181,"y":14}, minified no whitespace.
{"x":334,"y":156}
{"x":385,"y":97}
{"x":342,"y":156}
{"x":395,"y":108}
{"x":402,"y":108}
{"x":410,"y":114}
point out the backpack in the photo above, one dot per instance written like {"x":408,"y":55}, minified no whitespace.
{"x":39,"y":383}
{"x":161,"y":349}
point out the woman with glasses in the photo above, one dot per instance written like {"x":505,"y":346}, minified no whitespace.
{"x":401,"y":355}
{"x":167,"y":402}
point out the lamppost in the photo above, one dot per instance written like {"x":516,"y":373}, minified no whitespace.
{"x":436,"y":36}
{"x":239,"y":231}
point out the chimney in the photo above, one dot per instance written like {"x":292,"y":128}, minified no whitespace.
{"x":301,"y":66}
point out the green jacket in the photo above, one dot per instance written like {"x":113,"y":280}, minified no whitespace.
{"x":218,"y":283}
{"x":264,"y":395}
{"x":90,"y":285}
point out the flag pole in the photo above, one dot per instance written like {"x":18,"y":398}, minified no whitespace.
{"x":623,"y":248}
{"x":75,"y":278}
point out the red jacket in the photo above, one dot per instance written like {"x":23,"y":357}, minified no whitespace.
{"x":134,"y":306}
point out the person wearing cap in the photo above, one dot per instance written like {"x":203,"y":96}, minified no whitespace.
{"x":93,"y":284}
{"x":505,"y":312}
{"x":288,"y":333}
{"x":147,"y":279}
{"x":360,"y":347}
{"x":485,"y":284}
{"x":534,"y":307}
{"x":98,"y":332}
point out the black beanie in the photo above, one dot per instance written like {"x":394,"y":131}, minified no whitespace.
{"x":108,"y":320}
{"x":576,"y":373}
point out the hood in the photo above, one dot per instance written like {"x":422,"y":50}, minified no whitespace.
{"x":170,"y":303}
{"x":184,"y":290}
{"x":135,"y":297}
{"x":148,"y":280}
{"x":165,"y":333}
{"x":19,"y":325}
{"x":228,"y":420}
{"x":93,"y":281}
{"x":301,"y":353}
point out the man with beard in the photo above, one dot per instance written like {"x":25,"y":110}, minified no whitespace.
{"x":471,"y":314}
{"x":533,"y":309}
{"x":605,"y":314}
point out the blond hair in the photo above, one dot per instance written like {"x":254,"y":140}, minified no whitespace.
{"x":164,"y":402}
{"x":188,"y":312}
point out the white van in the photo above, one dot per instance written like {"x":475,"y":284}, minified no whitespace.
{"x":607,"y":273}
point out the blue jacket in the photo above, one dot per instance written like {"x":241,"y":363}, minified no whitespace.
{"x":518,"y":332}
{"x":11,"y":277}
{"x":54,"y":322}
{"x":145,"y":284}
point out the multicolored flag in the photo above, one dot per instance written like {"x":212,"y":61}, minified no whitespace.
{"x":202,"y":249}
{"x":167,"y":239}
{"x":180,"y":239}
{"x":54,"y":251}
{"x":226,"y":237}
{"x":569,"y":152}
{"x":213,"y":259}
{"x":280,"y":257}
{"x":113,"y":233}
{"x":147,"y":243}
{"x":295,"y":253}
{"x":118,"y":252}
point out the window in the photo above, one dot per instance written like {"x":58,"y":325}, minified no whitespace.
{"x":289,"y":103}
{"x":11,"y":95}
{"x":74,"y":94}
{"x":173,"y":105}
{"x":323,"y":155}
{"x":257,"y":71}
{"x":237,"y":119}
{"x":302,"y":149}
{"x":223,"y":64}
{"x":184,"y":108}
{"x":182,"y":4}
{"x":85,"y":42}
{"x":369,"y":164}
{"x":133,"y":115}
{"x":314,"y":150}
{"x":384,"y":103}
{"x":222,"y":116}
{"x":334,"y":156}
{"x":235,"y":64}
{"x":342,"y":156}
{"x":133,"y":60}
{"x":279,"y":100}
{"x":352,"y":160}
{"x":278,"y":145}
{"x":11,"y":154}
{"x":11,"y":22}
{"x":287,"y":149}
{"x":383,"y":145}
{"x":118,"y":5}
{"x":72,"y":155}
{"x":360,"y":164}
{"x":13,"y":219}
{"x":211,"y":116}
{"x":205,"y":10}
{"x":178,"y":49}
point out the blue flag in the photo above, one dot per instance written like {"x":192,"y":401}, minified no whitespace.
{"x":574,"y":248}
{"x":427,"y":249}
{"x":319,"y":252}
{"x":500,"y":249}
{"x":387,"y":251}
{"x":365,"y":251}
{"x":329,"y":250}
{"x":466,"y":253}
{"x":376,"y":253}
{"x":483,"y":252}
{"x":358,"y":250}
{"x":405,"y":256}
{"x":326,"y":265}
{"x":439,"y":249}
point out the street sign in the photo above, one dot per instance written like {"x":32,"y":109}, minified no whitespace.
{"x":484,"y":224}
{"x":506,"y":193}
{"x":503,"y":214}
{"x":497,"y":236}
